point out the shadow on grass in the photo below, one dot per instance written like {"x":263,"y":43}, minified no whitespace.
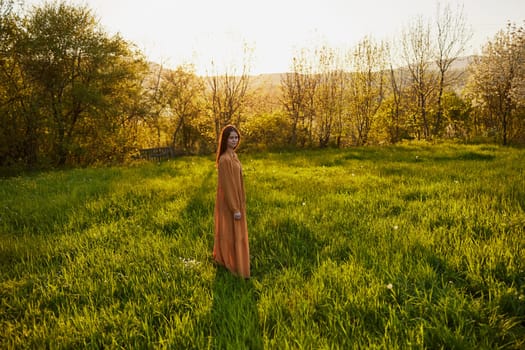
{"x":234,"y":316}
{"x":195,"y":219}
{"x":466,"y":156}
{"x":479,"y":286}
{"x":235,"y":320}
{"x":401,"y":154}
{"x":283,"y":244}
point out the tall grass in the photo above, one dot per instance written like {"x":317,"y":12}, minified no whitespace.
{"x":411,"y":246}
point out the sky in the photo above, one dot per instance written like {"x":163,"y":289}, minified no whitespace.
{"x":174,"y":32}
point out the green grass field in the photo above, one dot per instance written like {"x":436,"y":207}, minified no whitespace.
{"x":403,"y":247}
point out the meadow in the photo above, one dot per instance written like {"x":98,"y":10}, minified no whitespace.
{"x":414,"y":246}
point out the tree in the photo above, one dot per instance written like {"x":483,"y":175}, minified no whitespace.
{"x":226,"y":93}
{"x":156,"y":101}
{"x":456,"y":113}
{"x":266,"y":131}
{"x":417,"y":50}
{"x":184,"y":94}
{"x":496,"y":85}
{"x":367,"y":87}
{"x":80,"y":80}
{"x":18,"y":111}
{"x":393,"y":116}
{"x":298,"y":90}
{"x":7,"y":8}
{"x":329,"y":102}
{"x":451,"y":40}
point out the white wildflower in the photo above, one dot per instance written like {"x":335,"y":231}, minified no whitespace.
{"x":189,"y":262}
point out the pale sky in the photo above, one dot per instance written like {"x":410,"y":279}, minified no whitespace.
{"x":199,"y":31}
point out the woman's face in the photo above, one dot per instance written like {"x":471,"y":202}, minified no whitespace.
{"x":233,"y":139}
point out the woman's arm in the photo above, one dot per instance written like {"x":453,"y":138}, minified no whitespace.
{"x":230,"y":185}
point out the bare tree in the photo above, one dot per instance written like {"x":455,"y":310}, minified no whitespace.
{"x":226,"y":92}
{"x":396,"y":81}
{"x":298,"y":91}
{"x":451,"y":39}
{"x":366,"y":92}
{"x":329,"y":95}
{"x":417,"y":50}
{"x":294,"y":98}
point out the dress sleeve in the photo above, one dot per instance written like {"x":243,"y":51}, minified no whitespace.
{"x":229,"y":184}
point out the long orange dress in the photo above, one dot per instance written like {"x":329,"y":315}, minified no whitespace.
{"x":231,"y":248}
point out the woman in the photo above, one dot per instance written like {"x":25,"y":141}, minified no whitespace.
{"x":231,"y":248}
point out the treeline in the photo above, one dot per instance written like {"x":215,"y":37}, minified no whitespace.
{"x":72,"y":94}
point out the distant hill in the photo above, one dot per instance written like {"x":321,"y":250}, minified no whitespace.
{"x":266,"y":80}
{"x":272,"y":81}
{"x":460,"y":64}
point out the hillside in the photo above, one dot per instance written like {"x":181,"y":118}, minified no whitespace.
{"x":458,"y":70}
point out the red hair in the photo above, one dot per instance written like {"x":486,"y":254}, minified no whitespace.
{"x":223,"y":141}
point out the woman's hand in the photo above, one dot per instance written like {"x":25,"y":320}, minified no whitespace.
{"x":237,"y":215}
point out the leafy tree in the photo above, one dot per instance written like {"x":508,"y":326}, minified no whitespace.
{"x":266,"y":131}
{"x":82,"y":79}
{"x":456,"y":112}
{"x":496,"y":85}
{"x":7,"y":10}
{"x":184,"y":96}
{"x":19,"y":118}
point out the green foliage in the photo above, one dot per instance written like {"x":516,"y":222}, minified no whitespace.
{"x":68,"y":89}
{"x":496,"y":85}
{"x":183,"y":89}
{"x":263,"y":132}
{"x":70,"y":94}
{"x":456,"y":117}
{"x":413,"y":246}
